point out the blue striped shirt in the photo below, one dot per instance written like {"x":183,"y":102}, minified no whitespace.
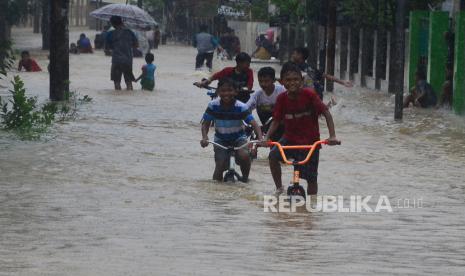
{"x":228,"y":122}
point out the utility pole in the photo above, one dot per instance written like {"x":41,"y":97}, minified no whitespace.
{"x":399,"y":58}
{"x":331,"y":49}
{"x":59,"y":51}
{"x":4,"y":25}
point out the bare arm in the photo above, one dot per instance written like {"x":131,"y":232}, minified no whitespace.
{"x":257,"y":130}
{"x":273,"y":127}
{"x":341,"y":82}
{"x":332,"y":132}
{"x":141,"y":75}
{"x":205,"y":128}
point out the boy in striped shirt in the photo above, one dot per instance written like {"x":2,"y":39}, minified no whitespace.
{"x":228,"y":115}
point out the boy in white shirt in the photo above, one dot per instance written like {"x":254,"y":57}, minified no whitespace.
{"x":264,"y":99}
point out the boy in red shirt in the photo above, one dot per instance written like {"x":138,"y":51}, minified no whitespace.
{"x":242,"y":76}
{"x":298,"y":108}
{"x":28,"y":63}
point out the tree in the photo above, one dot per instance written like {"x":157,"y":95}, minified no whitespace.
{"x":259,"y":10}
{"x":295,"y":9}
{"x":45,"y":24}
{"x":4,"y":23}
{"x":399,"y":57}
{"x":6,"y":53}
{"x":59,"y":52}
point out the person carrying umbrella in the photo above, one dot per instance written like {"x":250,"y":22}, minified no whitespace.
{"x":121,"y":41}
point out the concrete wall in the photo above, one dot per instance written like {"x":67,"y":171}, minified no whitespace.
{"x":247,"y":33}
{"x":370,"y":81}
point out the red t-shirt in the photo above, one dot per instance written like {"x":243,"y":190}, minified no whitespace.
{"x":29,"y":65}
{"x":300,"y":116}
{"x":244,"y":79}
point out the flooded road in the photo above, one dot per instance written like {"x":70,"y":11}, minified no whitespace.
{"x":125,"y":189}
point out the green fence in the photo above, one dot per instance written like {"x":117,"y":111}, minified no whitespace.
{"x":418,"y":43}
{"x":437,"y":57}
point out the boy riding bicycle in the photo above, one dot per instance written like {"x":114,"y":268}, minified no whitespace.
{"x":228,"y":115}
{"x":264,"y":99}
{"x":241,"y":74}
{"x":299,"y":109}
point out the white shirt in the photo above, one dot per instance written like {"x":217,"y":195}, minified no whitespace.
{"x":263,"y":102}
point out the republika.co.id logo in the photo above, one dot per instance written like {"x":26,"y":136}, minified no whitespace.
{"x":339,"y":204}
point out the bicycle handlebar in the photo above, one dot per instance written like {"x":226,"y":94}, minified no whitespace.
{"x":312,"y":148}
{"x":215,"y":88}
{"x":234,"y":148}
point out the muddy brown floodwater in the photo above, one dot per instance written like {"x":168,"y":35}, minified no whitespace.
{"x":125,"y":189}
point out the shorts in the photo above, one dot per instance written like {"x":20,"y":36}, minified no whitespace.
{"x":308,"y":171}
{"x":147,"y":84}
{"x":222,"y":154}
{"x":117,"y":70}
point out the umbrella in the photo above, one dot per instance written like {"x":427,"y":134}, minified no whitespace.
{"x":131,"y":15}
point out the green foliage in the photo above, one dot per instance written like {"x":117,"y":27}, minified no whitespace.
{"x":24,"y":117}
{"x":27,"y":120}
{"x":294,"y":8}
{"x":68,"y":109}
{"x":154,"y":5}
{"x":372,"y":12}
{"x":259,"y":10}
{"x":18,"y":9}
{"x":6,"y":57}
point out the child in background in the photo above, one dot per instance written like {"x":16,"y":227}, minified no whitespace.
{"x":422,"y":95}
{"x":148,"y":73}
{"x":83,"y":44}
{"x":29,"y":64}
{"x":315,"y":77}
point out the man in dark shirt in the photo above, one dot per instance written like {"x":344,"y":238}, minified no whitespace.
{"x":122,"y":41}
{"x":206,"y":45}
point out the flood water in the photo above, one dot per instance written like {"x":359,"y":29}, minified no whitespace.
{"x":125,"y":189}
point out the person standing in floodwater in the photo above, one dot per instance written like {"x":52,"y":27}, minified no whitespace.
{"x":206,"y":45}
{"x":121,"y":41}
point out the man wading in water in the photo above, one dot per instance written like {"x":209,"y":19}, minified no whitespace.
{"x":121,"y":41}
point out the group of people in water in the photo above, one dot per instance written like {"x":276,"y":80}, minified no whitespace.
{"x":294,"y":103}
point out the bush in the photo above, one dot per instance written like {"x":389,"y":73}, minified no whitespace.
{"x":24,"y":117}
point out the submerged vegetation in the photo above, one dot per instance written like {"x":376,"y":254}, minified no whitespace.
{"x":23,"y":116}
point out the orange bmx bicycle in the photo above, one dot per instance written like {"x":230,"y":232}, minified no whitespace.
{"x":295,"y":189}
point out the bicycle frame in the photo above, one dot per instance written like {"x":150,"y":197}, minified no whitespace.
{"x":295,"y":163}
{"x":231,"y":172}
